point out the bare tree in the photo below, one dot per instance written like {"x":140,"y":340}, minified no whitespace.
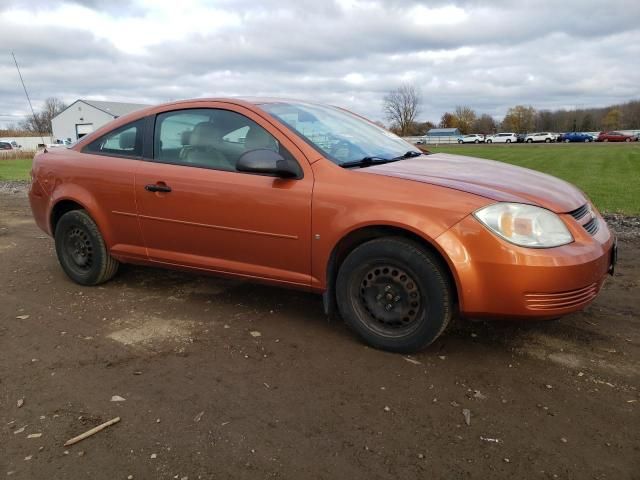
{"x":41,"y":121}
{"x":401,"y":106}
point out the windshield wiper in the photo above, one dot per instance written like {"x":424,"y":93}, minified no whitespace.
{"x":373,"y":160}
{"x":409,"y":154}
{"x":366,"y":161}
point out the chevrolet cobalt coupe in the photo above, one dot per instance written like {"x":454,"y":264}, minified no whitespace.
{"x":314,"y":197}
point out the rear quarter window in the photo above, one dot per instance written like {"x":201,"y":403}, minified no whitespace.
{"x":125,"y":141}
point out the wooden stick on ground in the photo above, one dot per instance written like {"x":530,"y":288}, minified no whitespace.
{"x":93,"y":431}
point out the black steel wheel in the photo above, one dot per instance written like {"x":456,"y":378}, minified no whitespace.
{"x":394,"y":294}
{"x":81,"y":250}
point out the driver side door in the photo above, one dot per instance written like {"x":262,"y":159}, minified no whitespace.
{"x":196,"y":210}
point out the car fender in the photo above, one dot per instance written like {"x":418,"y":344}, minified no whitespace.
{"x":83,"y":197}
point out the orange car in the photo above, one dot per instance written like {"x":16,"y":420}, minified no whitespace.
{"x":314,"y":197}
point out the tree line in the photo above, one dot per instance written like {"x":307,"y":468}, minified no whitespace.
{"x":402,"y":108}
{"x":38,"y":124}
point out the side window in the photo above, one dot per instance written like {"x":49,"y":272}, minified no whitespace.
{"x":125,"y":141}
{"x":209,"y":138}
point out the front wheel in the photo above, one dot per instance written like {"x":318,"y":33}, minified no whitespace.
{"x":529,"y":140}
{"x":460,"y":141}
{"x":627,"y":140}
{"x":566,"y":140}
{"x":489,"y":141}
{"x":547,"y":140}
{"x":81,"y":250}
{"x":508,"y":140}
{"x":476,"y":141}
{"x":394,"y":294}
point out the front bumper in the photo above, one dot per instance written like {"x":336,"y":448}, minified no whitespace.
{"x":499,"y":279}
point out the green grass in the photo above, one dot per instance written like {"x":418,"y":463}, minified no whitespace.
{"x":15,"y":169}
{"x":608,"y":173}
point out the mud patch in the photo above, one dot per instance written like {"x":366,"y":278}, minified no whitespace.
{"x":154,"y":331}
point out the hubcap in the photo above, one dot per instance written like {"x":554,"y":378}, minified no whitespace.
{"x":79,"y":248}
{"x":391,"y":299}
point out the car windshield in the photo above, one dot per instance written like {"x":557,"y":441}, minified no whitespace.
{"x":340,"y":136}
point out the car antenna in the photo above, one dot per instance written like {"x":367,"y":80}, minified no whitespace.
{"x":28,"y":99}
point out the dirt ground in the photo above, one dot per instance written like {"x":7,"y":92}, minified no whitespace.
{"x":225,"y":379}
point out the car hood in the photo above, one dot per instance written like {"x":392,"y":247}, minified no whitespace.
{"x":490,"y":179}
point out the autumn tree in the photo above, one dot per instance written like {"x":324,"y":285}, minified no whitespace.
{"x":519,"y":119}
{"x":613,"y":119}
{"x":41,"y":121}
{"x":447,"y":120}
{"x":401,"y":106}
{"x":464,"y":117}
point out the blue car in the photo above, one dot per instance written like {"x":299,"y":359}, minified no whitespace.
{"x":575,"y":137}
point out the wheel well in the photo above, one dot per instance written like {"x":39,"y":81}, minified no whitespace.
{"x":60,"y":209}
{"x":356,"y":238}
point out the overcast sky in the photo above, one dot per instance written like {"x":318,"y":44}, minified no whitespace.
{"x":486,"y":54}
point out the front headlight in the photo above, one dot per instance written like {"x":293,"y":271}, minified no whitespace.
{"x":525,"y":225}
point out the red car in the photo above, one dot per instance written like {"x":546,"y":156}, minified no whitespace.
{"x":615,"y":137}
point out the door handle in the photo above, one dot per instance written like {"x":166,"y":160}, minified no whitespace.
{"x":158,"y":187}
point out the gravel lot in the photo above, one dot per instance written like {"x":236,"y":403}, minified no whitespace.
{"x":225,"y":379}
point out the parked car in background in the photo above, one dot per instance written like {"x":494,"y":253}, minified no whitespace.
{"x":322,"y":200}
{"x":546,"y":137}
{"x":503,"y":138}
{"x":6,"y":146}
{"x":575,"y":137}
{"x":472,"y":138}
{"x":615,"y":137}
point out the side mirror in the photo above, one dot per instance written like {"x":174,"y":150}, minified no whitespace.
{"x":267,"y":162}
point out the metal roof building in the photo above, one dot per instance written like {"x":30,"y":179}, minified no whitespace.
{"x":443,"y":132}
{"x":85,"y":116}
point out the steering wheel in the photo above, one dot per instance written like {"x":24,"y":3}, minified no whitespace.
{"x":345,"y":150}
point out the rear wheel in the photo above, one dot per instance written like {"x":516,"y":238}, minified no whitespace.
{"x":395,"y":295}
{"x":586,"y":140}
{"x":547,"y":140}
{"x":476,"y":141}
{"x":460,"y":141}
{"x":627,"y":140}
{"x":508,"y":140}
{"x":489,"y":141}
{"x":566,"y":140}
{"x":605,"y":140}
{"x":529,"y":140}
{"x":81,"y":250}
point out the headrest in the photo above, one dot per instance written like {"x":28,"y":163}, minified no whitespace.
{"x":128,"y":140}
{"x":205,"y":134}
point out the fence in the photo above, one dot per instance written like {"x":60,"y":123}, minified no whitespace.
{"x":433,"y":139}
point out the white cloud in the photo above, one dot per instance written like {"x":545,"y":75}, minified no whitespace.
{"x":488,"y":55}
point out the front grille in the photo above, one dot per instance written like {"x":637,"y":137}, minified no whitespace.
{"x":591,"y":226}
{"x":578,"y":213}
{"x":562,"y":300}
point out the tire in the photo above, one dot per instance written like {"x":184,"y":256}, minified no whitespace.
{"x":529,"y":140}
{"x":508,"y":140}
{"x":460,"y":142}
{"x":627,"y":140}
{"x":489,"y":141}
{"x":476,"y":141}
{"x":586,"y":140}
{"x":395,"y":295}
{"x":81,"y":250}
{"x":547,"y":140}
{"x":567,"y":140}
{"x":605,"y":140}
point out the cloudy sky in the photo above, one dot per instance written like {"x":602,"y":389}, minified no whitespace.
{"x":486,"y":54}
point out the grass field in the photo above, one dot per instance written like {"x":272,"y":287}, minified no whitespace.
{"x":608,"y":173}
{"x":15,"y":169}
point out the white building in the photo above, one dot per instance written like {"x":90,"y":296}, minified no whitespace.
{"x":85,"y":116}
